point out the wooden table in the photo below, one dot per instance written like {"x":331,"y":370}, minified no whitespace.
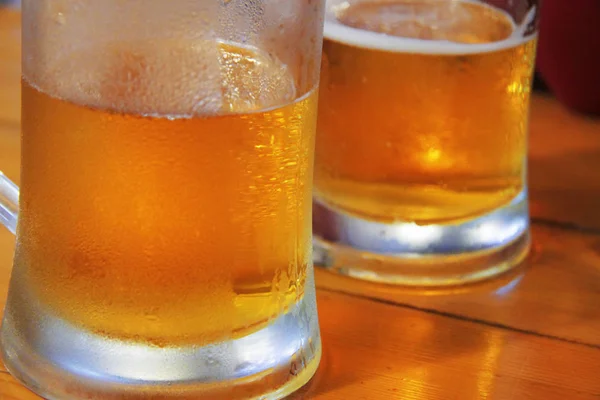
{"x":532,"y":335}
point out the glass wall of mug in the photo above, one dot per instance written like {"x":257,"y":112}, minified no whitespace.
{"x":164,"y":228}
{"x":420,"y":175}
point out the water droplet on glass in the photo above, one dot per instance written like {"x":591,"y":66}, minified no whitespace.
{"x":60,"y":18}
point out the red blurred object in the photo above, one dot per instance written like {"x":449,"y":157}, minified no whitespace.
{"x":569,"y":52}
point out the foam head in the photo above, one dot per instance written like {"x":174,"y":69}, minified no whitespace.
{"x":421,"y":26}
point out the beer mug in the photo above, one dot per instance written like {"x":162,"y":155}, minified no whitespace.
{"x":420,"y":174}
{"x":164,"y":223}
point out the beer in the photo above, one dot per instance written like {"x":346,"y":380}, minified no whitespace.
{"x":423,"y":110}
{"x":158,"y":207}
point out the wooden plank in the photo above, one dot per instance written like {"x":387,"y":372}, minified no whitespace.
{"x":379,"y":351}
{"x":10,"y":67}
{"x":10,"y":91}
{"x":556,"y":292}
{"x":10,"y":389}
{"x":564,"y":164}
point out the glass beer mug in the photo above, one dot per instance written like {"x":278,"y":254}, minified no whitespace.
{"x":421,"y":160}
{"x":164,"y":223}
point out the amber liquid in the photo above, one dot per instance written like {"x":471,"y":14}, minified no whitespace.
{"x":423,"y":137}
{"x":167,"y":229}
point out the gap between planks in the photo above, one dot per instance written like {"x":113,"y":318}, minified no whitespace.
{"x":460,"y":317}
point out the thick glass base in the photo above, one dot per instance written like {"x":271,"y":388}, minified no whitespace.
{"x":422,"y":255}
{"x":59,"y":361}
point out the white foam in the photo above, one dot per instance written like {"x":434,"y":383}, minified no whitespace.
{"x":338,"y":32}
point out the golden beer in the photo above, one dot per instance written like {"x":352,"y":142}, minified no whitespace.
{"x":151,"y":212}
{"x":428,"y":122}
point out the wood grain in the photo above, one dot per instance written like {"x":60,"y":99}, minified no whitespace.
{"x":381,"y":351}
{"x":11,"y":389}
{"x":10,"y":66}
{"x":564,"y":164}
{"x":555,"y":293}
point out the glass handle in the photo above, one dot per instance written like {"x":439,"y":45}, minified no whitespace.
{"x":9,"y":203}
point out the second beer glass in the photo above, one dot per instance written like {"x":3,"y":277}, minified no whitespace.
{"x":422,"y":137}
